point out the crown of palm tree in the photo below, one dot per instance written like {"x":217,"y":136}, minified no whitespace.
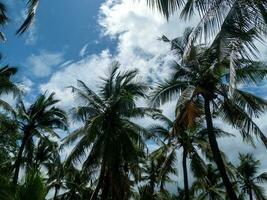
{"x":217,"y":16}
{"x":7,"y":86}
{"x":116,"y":143}
{"x":249,"y":179}
{"x":202,"y":75}
{"x":40,"y":120}
{"x":209,"y":186}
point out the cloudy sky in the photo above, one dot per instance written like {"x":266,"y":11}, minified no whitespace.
{"x":78,"y":39}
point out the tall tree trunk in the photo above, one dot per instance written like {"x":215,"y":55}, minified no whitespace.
{"x":250,"y":194}
{"x":18,"y":160}
{"x":56,"y":192}
{"x":99,"y":184}
{"x":216,"y":151}
{"x":186,"y":187}
{"x":106,"y":186}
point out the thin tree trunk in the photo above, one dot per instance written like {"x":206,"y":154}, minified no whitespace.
{"x":99,"y":184}
{"x":186,"y":187}
{"x":56,"y":192}
{"x":216,"y":151}
{"x":18,"y":161}
{"x":250,"y":194}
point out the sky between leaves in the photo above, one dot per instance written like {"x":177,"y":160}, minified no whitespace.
{"x":78,"y":39}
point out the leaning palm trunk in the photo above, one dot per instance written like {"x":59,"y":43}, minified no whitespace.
{"x":18,"y":161}
{"x":56,"y":192}
{"x":100,"y":182}
{"x":216,"y":151}
{"x":186,"y":187}
{"x":250,"y":194}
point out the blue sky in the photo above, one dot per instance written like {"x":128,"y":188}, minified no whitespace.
{"x":78,"y":39}
{"x":62,"y":28}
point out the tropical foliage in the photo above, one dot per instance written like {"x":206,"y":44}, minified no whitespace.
{"x":112,"y":154}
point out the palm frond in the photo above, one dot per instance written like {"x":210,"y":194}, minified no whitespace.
{"x":32,"y":7}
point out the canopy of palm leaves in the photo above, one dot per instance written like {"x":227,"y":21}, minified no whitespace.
{"x":249,"y":179}
{"x":39,"y":120}
{"x":201,"y":80}
{"x":7,"y":86}
{"x":201,"y":76}
{"x":217,"y":17}
{"x":209,"y":185}
{"x":116,"y":143}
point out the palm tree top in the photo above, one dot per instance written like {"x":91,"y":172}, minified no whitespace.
{"x":42,"y":113}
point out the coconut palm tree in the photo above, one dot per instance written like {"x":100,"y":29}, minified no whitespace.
{"x":209,"y":185}
{"x":202,"y":82}
{"x":8,"y":138}
{"x":32,"y":188}
{"x":249,"y":179}
{"x":7,"y":86}
{"x":56,"y":172}
{"x":39,"y":120}
{"x":43,"y":154}
{"x":75,"y":184}
{"x":116,"y":143}
{"x":217,"y":16}
{"x":180,"y":138}
{"x":157,"y":171}
{"x":190,"y":141}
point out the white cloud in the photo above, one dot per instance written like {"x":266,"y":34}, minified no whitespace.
{"x":26,"y":85}
{"x":83,"y":50}
{"x":43,"y":62}
{"x":88,"y":70}
{"x":137,"y":29}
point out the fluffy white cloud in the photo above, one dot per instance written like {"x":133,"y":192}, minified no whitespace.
{"x":26,"y":85}
{"x":42,"y":63}
{"x":88,"y":70}
{"x":136,"y":28}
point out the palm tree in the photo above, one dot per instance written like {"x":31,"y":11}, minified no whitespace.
{"x":39,"y":120}
{"x":116,"y":143}
{"x":248,"y":178}
{"x":44,"y":154}
{"x":8,"y":139}
{"x":217,"y":17}
{"x":157,"y":171}
{"x":32,"y":188}
{"x":202,"y":81}
{"x":189,"y":140}
{"x":76,"y":185}
{"x":209,"y":186}
{"x":56,"y":172}
{"x":6,"y":85}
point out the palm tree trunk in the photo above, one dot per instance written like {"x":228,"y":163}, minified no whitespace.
{"x":106,"y":187}
{"x":18,"y":160}
{"x":216,"y":151}
{"x":250,"y":194}
{"x":99,"y":184}
{"x":186,"y":187}
{"x":56,"y":192}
